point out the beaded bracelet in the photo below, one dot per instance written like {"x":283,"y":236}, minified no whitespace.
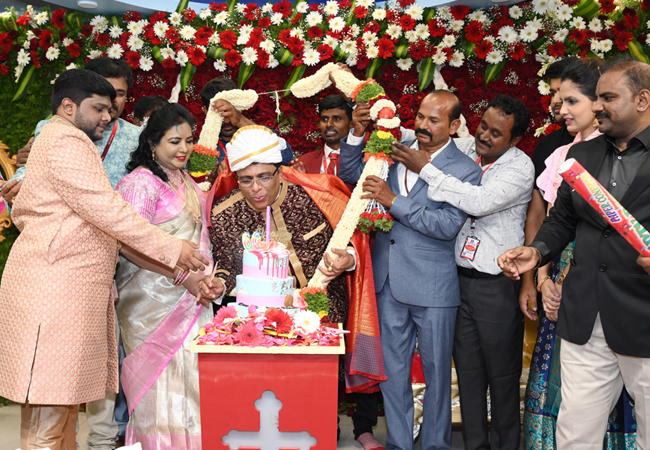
{"x":181,"y":277}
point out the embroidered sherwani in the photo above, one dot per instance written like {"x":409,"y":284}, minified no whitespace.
{"x":56,"y":311}
{"x":295,"y":216}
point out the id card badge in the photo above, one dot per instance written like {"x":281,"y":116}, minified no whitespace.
{"x":470,"y":248}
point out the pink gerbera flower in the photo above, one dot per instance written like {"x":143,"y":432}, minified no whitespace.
{"x":248,"y":334}
{"x":229,"y":312}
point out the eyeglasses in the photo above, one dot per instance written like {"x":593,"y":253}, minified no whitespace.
{"x":261,"y":180}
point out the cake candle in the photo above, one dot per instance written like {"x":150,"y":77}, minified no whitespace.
{"x":268,"y":224}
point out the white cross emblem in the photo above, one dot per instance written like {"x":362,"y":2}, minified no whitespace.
{"x":269,"y":437}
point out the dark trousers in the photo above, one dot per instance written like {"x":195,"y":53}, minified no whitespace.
{"x":488,"y":347}
{"x":365,"y":416}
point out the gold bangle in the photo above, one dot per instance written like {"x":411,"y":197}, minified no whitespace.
{"x":539,"y":285}
{"x":393,"y":202}
{"x":539,"y":258}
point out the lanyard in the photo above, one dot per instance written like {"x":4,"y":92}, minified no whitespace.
{"x":472,"y":223}
{"x":110,"y":140}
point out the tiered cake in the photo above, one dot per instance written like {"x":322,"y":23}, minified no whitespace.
{"x":265,"y":279}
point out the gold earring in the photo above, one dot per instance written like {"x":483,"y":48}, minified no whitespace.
{"x":153,"y":153}
{"x":596,"y":123}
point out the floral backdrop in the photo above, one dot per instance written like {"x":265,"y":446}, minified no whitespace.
{"x":479,"y":53}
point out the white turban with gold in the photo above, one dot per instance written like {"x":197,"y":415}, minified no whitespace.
{"x":254,"y":144}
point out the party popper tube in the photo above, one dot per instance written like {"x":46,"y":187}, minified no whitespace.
{"x":606,"y":205}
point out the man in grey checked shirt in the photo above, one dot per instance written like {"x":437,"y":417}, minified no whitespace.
{"x":489,"y":326}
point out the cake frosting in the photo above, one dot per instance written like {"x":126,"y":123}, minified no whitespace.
{"x":265,"y":278}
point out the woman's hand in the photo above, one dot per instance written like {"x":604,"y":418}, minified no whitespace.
{"x":551,"y":297}
{"x":204,"y":289}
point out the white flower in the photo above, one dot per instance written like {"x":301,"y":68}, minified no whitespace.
{"x":52,"y":53}
{"x":448,"y":41}
{"x":456,"y":25}
{"x":508,"y":35}
{"x":26,"y":44}
{"x":331,"y":41}
{"x":528,"y":34}
{"x":167,"y":53}
{"x":366,"y":3}
{"x":422,"y":31}
{"x":479,"y":15}
{"x":578,"y":22}
{"x":372,"y":51}
{"x":331,"y":8}
{"x":187,"y":33}
{"x":444,"y":13}
{"x":267,"y":8}
{"x":541,"y":7}
{"x":351,"y":60}
{"x":311,"y":57}
{"x":41,"y":18}
{"x":298,"y":33}
{"x":240,"y":7}
{"x":268,"y":46}
{"x":160,"y":28}
{"x":221,"y":18}
{"x":355,"y":30}
{"x":276,"y":19}
{"x":273,"y":63}
{"x":489,"y":39}
{"x":18,"y":72}
{"x":561,"y":35}
{"x":457,"y":59}
{"x":606,"y":45}
{"x":181,"y":58}
{"x":543,"y":87}
{"x":134,"y":43}
{"x":115,"y":31}
{"x":220,"y":65}
{"x":369,"y":37}
{"x":146,"y":63}
{"x":596,"y":25}
{"x":404,"y":63}
{"x":349,"y":47}
{"x":313,"y":18}
{"x":214,"y":39}
{"x":535,"y":23}
{"x":175,"y":19}
{"x":515,"y":12}
{"x":135,"y":28}
{"x":205,"y":14}
{"x":95,"y":54}
{"x":411,"y":36}
{"x":336,"y":24}
{"x":394,"y":31}
{"x":308,"y":321}
{"x":439,"y":58}
{"x":564,"y":13}
{"x":415,"y":11}
{"x":115,"y":51}
{"x":67,"y":41}
{"x":244,"y":34}
{"x":494,"y":57}
{"x":609,"y":23}
{"x":379,"y":14}
{"x":302,"y":7}
{"x":100,"y":23}
{"x":249,"y":56}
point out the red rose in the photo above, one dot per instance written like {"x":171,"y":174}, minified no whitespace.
{"x":405,"y":113}
{"x":262,"y":59}
{"x":473,"y":123}
{"x":460,"y":84}
{"x":169,"y":63}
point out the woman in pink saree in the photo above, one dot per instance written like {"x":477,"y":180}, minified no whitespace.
{"x":157,"y":310}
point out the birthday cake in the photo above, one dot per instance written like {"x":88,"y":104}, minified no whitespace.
{"x":265,"y":279}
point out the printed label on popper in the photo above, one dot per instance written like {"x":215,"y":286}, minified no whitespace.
{"x":470,"y":248}
{"x":250,"y":242}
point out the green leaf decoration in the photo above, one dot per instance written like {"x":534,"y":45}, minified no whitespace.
{"x":297,"y":74}
{"x":217,"y":52}
{"x":402,"y":50}
{"x":317,"y":302}
{"x":245,"y":72}
{"x":155,"y":52}
{"x":493,"y":71}
{"x":376,"y":144}
{"x":187,"y":74}
{"x":587,"y":9}
{"x":73,"y":19}
{"x":182,"y":5}
{"x":427,"y":69}
{"x":24,"y":82}
{"x":201,"y":163}
{"x":637,"y":51}
{"x":372,"y":68}
{"x":231,"y":5}
{"x":284,"y":56}
{"x":8,"y":22}
{"x":369,"y":91}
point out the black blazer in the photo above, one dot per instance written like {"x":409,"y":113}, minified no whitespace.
{"x":604,"y":276}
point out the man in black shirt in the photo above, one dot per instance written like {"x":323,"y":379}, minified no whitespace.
{"x":605,"y":310}
{"x":538,"y":206}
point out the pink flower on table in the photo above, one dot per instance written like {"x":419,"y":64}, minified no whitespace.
{"x":229,"y":312}
{"x":248,"y":334}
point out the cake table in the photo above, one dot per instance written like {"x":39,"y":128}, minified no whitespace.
{"x":272,"y":398}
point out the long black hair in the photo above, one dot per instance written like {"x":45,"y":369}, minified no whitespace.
{"x":584,"y":73}
{"x":159,"y":123}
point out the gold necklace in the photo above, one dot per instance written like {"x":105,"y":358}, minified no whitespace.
{"x":195,"y":214}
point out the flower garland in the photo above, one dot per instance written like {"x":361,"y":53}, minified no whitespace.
{"x":270,"y":328}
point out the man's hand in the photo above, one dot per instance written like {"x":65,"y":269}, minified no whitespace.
{"x":551,"y":297}
{"x":361,"y":119}
{"x":209,"y":289}
{"x":23,"y":153}
{"x":517,"y":261}
{"x":377,"y":189}
{"x":644,"y":261}
{"x":298,"y":165}
{"x":230,"y":114}
{"x":412,"y":159}
{"x":10,"y":189}
{"x":528,"y":298}
{"x":190,"y":259}
{"x":345,"y":68}
{"x":336,"y":268}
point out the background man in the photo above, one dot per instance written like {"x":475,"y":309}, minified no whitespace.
{"x":415,"y":279}
{"x":604,"y":314}
{"x":488,"y":343}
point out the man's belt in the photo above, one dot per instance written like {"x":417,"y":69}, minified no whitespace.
{"x":473,"y":273}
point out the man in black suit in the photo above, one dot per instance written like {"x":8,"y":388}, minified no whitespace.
{"x":604,"y":318}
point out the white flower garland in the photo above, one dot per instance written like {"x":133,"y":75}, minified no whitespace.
{"x":240,"y":99}
{"x":312,"y":85}
{"x":389,"y":123}
{"x":379,"y":105}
